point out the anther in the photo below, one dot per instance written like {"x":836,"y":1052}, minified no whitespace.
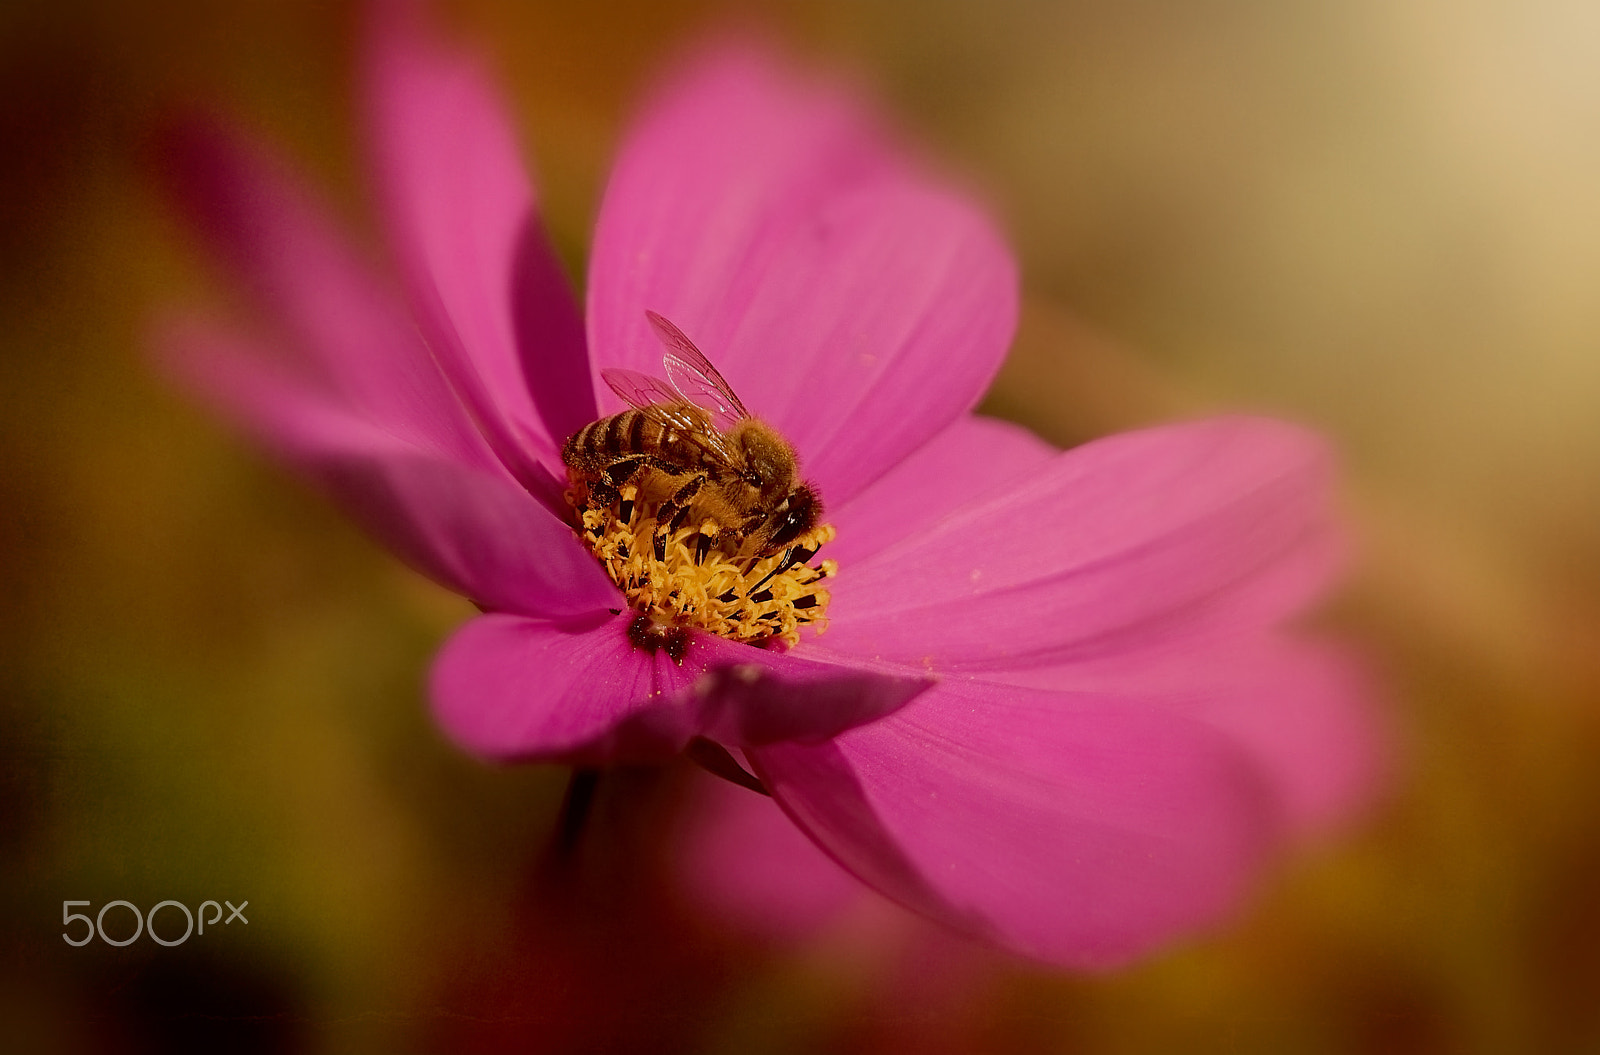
{"x":700,"y":577}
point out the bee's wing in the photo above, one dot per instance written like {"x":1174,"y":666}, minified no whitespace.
{"x":692,"y":374}
{"x":640,"y":391}
{"x":666,"y":405}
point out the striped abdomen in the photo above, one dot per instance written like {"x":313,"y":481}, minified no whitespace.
{"x":664,"y":440}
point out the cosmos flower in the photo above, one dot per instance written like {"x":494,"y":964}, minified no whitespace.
{"x":1052,"y":706}
{"x":900,"y":982}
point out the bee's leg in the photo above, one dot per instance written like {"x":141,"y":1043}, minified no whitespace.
{"x":794,"y":555}
{"x":618,"y":474}
{"x":669,"y":517}
{"x":754,"y":521}
{"x":606,"y":488}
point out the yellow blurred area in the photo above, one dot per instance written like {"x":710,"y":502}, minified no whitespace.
{"x":1378,"y":217}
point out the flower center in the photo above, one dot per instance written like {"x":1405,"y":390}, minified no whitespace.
{"x":698,"y":577}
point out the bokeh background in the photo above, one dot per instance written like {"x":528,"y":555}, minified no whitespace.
{"x":1378,"y":216}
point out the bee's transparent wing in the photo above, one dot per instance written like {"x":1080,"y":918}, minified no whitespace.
{"x":640,"y":391}
{"x":692,"y":374}
{"x":662,"y":403}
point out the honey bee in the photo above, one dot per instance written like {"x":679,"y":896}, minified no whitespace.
{"x":689,"y":443}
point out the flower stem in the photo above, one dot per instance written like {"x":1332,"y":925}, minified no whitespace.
{"x":577,"y":804}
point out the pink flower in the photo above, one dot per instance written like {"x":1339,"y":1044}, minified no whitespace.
{"x":741,"y":861}
{"x":1052,"y":707}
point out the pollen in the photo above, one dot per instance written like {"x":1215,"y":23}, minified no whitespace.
{"x":702,"y":579}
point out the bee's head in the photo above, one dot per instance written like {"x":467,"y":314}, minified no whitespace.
{"x":797,"y":514}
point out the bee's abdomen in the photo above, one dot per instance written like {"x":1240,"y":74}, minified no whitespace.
{"x":631,"y":432}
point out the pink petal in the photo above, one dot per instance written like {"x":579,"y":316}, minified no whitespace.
{"x":1075,"y":828}
{"x":352,"y":335}
{"x":577,"y":690}
{"x":753,"y":696}
{"x":971,"y":458}
{"x":848,"y":298}
{"x":1302,"y":709}
{"x":1140,"y":537}
{"x":474,"y":531}
{"x":741,"y":858}
{"x":489,"y":295}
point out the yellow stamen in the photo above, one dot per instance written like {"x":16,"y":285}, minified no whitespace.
{"x":703,"y":584}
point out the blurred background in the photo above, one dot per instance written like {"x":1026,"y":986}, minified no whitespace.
{"x":1377,"y":216}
